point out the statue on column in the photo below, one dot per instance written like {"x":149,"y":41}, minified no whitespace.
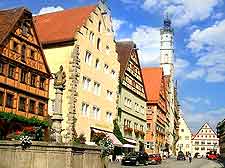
{"x":60,"y":77}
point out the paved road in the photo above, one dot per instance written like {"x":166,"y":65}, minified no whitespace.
{"x":172,"y":163}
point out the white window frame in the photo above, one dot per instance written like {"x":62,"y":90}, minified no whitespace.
{"x":86,"y":83}
{"x":85,"y":109}
{"x":106,"y":68}
{"x":88,"y":57}
{"x":109,"y":95}
{"x":97,"y":88}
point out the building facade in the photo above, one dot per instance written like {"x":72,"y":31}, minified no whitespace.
{"x":184,"y":143}
{"x":132,"y":98}
{"x":82,"y":40}
{"x":205,"y":140}
{"x":167,"y":63}
{"x":157,"y":118}
{"x":24,"y":73}
{"x":221,"y":136}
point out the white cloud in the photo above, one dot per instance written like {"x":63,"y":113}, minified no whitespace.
{"x":195,"y":74}
{"x":183,"y":11}
{"x":197,"y":100}
{"x":50,"y":9}
{"x":181,"y":66}
{"x":117,"y":23}
{"x":217,"y":15}
{"x":148,"y":41}
{"x":209,"y":44}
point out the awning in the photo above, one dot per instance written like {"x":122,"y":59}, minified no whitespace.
{"x":128,"y":146}
{"x":130,"y":140}
{"x":112,"y":137}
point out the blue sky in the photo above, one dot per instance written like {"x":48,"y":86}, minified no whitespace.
{"x":199,"y":45}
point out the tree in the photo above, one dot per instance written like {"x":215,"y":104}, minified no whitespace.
{"x":117,"y":132}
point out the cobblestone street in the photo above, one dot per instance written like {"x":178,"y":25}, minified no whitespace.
{"x":172,"y":163}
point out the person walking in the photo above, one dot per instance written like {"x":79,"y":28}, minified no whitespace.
{"x":189,"y":157}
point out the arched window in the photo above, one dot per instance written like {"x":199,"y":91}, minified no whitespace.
{"x":23,"y":53}
{"x":98,"y":43}
{"x":99,"y":26}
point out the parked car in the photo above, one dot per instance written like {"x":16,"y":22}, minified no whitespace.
{"x":135,"y":158}
{"x":181,"y":156}
{"x":154,"y":159}
{"x":212,"y":155}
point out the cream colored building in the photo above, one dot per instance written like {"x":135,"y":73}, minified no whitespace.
{"x":184,"y":143}
{"x":82,"y":40}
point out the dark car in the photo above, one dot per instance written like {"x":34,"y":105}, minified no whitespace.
{"x":135,"y":158}
{"x":154,"y":159}
{"x":181,"y":156}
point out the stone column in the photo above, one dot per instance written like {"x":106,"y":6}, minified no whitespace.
{"x":57,"y":115}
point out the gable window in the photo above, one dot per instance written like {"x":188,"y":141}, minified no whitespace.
{"x":11,"y":71}
{"x":1,"y":68}
{"x":98,"y":43}
{"x":23,"y":76}
{"x":42,"y":83}
{"x":88,"y":58}
{"x":9,"y":100}
{"x":15,"y":46}
{"x":22,"y":104}
{"x":33,"y":80}
{"x":85,"y":109}
{"x":99,"y":26}
{"x":23,"y":53}
{"x":41,"y":107}
{"x":1,"y":98}
{"x":32,"y":106}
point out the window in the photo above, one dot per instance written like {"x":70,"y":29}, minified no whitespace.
{"x":109,"y":95}
{"x":42,"y":83}
{"x":196,"y":148}
{"x":148,"y":126}
{"x":136,"y":107}
{"x":127,"y":102}
{"x":182,"y":130}
{"x":1,"y":68}
{"x":196,"y":143}
{"x":98,"y":43}
{"x":96,"y":112}
{"x":41,"y":107}
{"x":23,"y":53}
{"x":209,"y":143}
{"x":23,"y":76}
{"x":141,"y":127}
{"x":113,"y":73}
{"x":97,"y":89}
{"x":186,"y":137}
{"x":85,"y":109}
{"x":1,"y":98}
{"x":9,"y":100}
{"x":142,"y":109}
{"x":25,"y":28}
{"x":86,"y":83}
{"x":32,"y":54}
{"x":109,"y":117}
{"x":202,"y":148}
{"x":11,"y":71}
{"x":22,"y":104}
{"x":33,"y":80}
{"x":91,"y":37}
{"x":203,"y":142}
{"x":107,"y":50}
{"x":15,"y":46}
{"x":97,"y":64}
{"x":32,"y":106}
{"x":88,"y":58}
{"x":99,"y":26}
{"x":106,"y":68}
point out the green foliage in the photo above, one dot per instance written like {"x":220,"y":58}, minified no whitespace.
{"x":117,"y":132}
{"x":80,"y":140}
{"x":97,"y":136}
{"x":107,"y":147}
{"x":9,"y":117}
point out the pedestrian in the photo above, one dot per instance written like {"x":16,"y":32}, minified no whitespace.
{"x":189,"y":157}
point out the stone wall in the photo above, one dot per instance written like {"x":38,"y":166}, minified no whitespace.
{"x":48,"y":155}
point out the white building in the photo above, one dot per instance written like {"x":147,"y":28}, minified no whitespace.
{"x":184,"y":143}
{"x":205,"y":140}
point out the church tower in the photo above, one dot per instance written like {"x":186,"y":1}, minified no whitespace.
{"x":166,"y":48}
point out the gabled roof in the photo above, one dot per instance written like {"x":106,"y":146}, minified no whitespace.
{"x":8,"y":18}
{"x":152,"y":81}
{"x":202,"y":128}
{"x":61,"y":26}
{"x":124,"y":49}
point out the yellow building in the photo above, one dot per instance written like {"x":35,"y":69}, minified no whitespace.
{"x":82,"y":40}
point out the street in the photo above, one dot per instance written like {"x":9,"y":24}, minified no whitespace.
{"x":172,"y":163}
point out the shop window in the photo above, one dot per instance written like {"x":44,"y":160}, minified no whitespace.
{"x":9,"y":100}
{"x":22,"y":104}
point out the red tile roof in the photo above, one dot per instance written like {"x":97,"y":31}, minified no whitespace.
{"x":152,"y":80}
{"x":61,"y":26}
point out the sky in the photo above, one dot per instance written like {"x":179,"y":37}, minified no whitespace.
{"x":199,"y":45}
